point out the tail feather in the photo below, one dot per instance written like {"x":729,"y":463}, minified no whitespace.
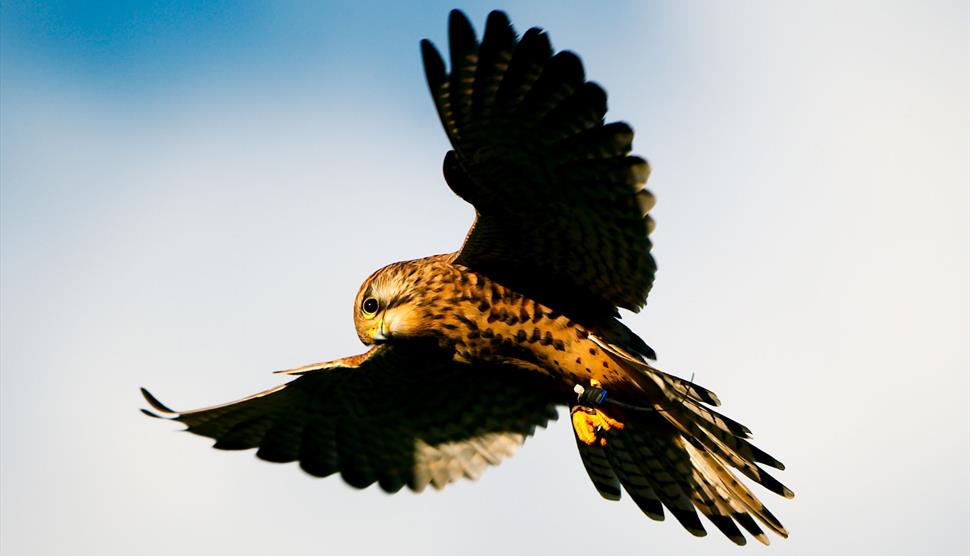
{"x":680,"y":456}
{"x":675,"y":457}
{"x":734,"y":450}
{"x":685,"y":388}
{"x":636,"y":483}
{"x":738,"y":493}
{"x":600,"y":471}
{"x":719,"y":433}
{"x":635,"y":470}
{"x":743,"y":464}
{"x":668,"y":475}
{"x":706,"y":474}
{"x":713,"y":505}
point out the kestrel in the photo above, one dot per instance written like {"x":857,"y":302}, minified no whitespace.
{"x":472,"y":350}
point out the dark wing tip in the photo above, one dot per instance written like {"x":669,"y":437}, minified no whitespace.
{"x":726,"y":525}
{"x":358,"y":478}
{"x":690,"y":521}
{"x":434,"y":66}
{"x":751,"y":526}
{"x":569,"y":64}
{"x":392,"y":483}
{"x":532,"y":34}
{"x":499,"y":33}
{"x":231,"y":444}
{"x":535,"y":42}
{"x":621,"y":127}
{"x":460,"y":32}
{"x":497,"y":19}
{"x":157,"y":405}
{"x":761,"y":456}
{"x":609,"y":492}
{"x":455,"y":176}
{"x":774,"y":485}
{"x":455,"y":17}
{"x":638,"y":166}
{"x":595,"y":97}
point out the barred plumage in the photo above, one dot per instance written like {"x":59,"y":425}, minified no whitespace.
{"x":473,"y":350}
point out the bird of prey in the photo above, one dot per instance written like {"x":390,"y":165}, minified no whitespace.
{"x":471,"y":351}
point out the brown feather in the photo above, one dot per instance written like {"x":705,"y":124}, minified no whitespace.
{"x":395,"y":416}
{"x":549,"y":181}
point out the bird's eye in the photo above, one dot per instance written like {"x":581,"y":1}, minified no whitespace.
{"x":369,"y":307}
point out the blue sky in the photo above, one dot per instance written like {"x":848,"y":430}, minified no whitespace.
{"x":190,"y":196}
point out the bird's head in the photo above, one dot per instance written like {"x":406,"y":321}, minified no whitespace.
{"x":388,"y":305}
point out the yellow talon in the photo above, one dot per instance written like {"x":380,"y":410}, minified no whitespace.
{"x":590,"y":424}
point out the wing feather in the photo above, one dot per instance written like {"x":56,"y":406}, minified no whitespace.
{"x":558,"y":198}
{"x":396,"y":416}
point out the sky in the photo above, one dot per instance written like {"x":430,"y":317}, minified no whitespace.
{"x":191,"y":194}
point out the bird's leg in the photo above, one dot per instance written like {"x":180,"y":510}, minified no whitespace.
{"x":590,"y":422}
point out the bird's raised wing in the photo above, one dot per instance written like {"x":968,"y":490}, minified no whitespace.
{"x":394,"y":415}
{"x":560,"y":204}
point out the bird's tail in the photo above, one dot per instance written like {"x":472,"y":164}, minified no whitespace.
{"x":678,"y":454}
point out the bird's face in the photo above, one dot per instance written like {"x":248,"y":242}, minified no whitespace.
{"x":387,"y":306}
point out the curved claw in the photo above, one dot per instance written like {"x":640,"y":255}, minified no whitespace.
{"x":589,"y":422}
{"x":591,"y":425}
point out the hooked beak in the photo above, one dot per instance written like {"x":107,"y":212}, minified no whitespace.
{"x":380,"y":333}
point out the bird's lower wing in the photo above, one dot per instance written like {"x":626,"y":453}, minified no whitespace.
{"x":394,"y":416}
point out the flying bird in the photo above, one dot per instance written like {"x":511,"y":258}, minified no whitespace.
{"x":471,"y":351}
